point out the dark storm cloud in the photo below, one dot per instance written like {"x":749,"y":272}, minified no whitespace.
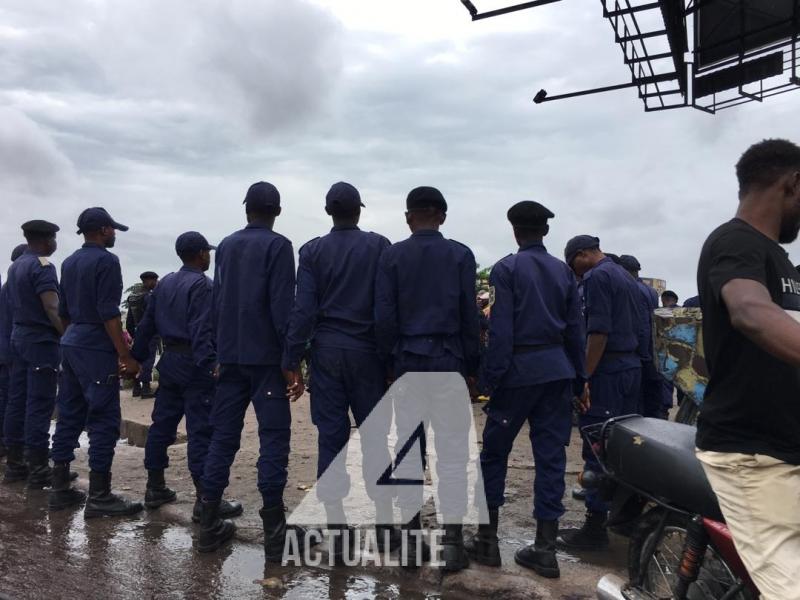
{"x":166,"y":111}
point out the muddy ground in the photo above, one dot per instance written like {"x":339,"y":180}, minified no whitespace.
{"x":60,"y":556}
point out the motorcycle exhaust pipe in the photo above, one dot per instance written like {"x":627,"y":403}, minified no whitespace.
{"x":610,"y":588}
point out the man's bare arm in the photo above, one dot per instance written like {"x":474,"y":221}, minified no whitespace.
{"x":50,"y":304}
{"x":756,"y":316}
{"x":595,"y":347}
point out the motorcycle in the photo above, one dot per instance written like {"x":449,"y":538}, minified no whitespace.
{"x":680,"y":547}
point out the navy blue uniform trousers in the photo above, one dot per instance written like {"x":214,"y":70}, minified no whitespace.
{"x":432,"y":405}
{"x":548,"y":409}
{"x":612,"y":395}
{"x":88,"y":395}
{"x":237,"y":387}
{"x":652,"y":394}
{"x":4,"y":372}
{"x":32,"y":386}
{"x":183,"y":390}
{"x":349,"y":381}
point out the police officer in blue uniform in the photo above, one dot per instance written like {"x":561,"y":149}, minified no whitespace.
{"x":334,"y":311}
{"x":533,"y":367}
{"x":426,"y":321}
{"x":651,"y":403}
{"x":6,"y":323}
{"x":253,"y":294}
{"x":32,"y":296}
{"x":179,"y":312}
{"x":93,"y":352}
{"x":613,"y":363}
{"x":141,"y":387}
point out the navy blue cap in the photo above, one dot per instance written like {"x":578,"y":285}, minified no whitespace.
{"x":18,"y":251}
{"x":148,"y":275}
{"x":578,"y":243}
{"x":96,"y":218}
{"x":613,"y":257}
{"x":261,"y":196}
{"x":39,"y":226}
{"x":191,"y":243}
{"x":343,"y":196}
{"x":529,"y":214}
{"x":629,"y":263}
{"x":426,"y":197}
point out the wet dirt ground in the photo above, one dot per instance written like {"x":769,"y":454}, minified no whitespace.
{"x":151,"y":556}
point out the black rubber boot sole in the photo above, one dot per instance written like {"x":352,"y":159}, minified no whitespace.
{"x":94,"y":512}
{"x":65,"y":499}
{"x":223,"y":537}
{"x":227,"y":510}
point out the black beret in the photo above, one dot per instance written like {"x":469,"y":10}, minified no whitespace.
{"x":529,"y":214}
{"x":39,"y":226}
{"x":148,"y":275}
{"x":426,"y":197}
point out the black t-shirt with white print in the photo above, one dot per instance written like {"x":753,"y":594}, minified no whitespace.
{"x":752,"y":402}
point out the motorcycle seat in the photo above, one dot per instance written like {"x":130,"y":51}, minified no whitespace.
{"x":658,"y":458}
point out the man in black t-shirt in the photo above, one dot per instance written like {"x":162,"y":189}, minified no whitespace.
{"x":748,"y":435}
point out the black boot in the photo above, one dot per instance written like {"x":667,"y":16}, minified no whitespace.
{"x":147,"y":391}
{"x":62,"y":494}
{"x":16,"y":469}
{"x":228,"y":509}
{"x":483,"y":547}
{"x":592,"y":536}
{"x":415,"y":559}
{"x":214,"y":532}
{"x":40,"y":475}
{"x":136,"y":392}
{"x":275,"y":528}
{"x":454,"y":555}
{"x":541,"y":557}
{"x":103,"y":502}
{"x":157,"y":492}
{"x":2,"y":450}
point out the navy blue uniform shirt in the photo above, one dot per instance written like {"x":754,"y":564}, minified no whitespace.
{"x":648,"y":303}
{"x":536,"y":332}
{"x":335,"y":302}
{"x":612,"y":304}
{"x":179,"y":310}
{"x":253,"y":296}
{"x":6,"y":323}
{"x":29,"y":276}
{"x":425,"y":299}
{"x":91,"y":292}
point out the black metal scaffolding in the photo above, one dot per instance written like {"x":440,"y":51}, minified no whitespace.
{"x":708,"y":54}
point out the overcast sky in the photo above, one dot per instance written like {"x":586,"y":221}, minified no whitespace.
{"x":165,"y":112}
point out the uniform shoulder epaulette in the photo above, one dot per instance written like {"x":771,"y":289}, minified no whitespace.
{"x":43,"y":261}
{"x":308,"y":243}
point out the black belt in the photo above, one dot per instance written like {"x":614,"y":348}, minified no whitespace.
{"x":178,"y":346}
{"x":525,"y":348}
{"x":619,"y":354}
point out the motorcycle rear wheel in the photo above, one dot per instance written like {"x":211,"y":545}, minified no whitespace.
{"x":654,"y":562}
